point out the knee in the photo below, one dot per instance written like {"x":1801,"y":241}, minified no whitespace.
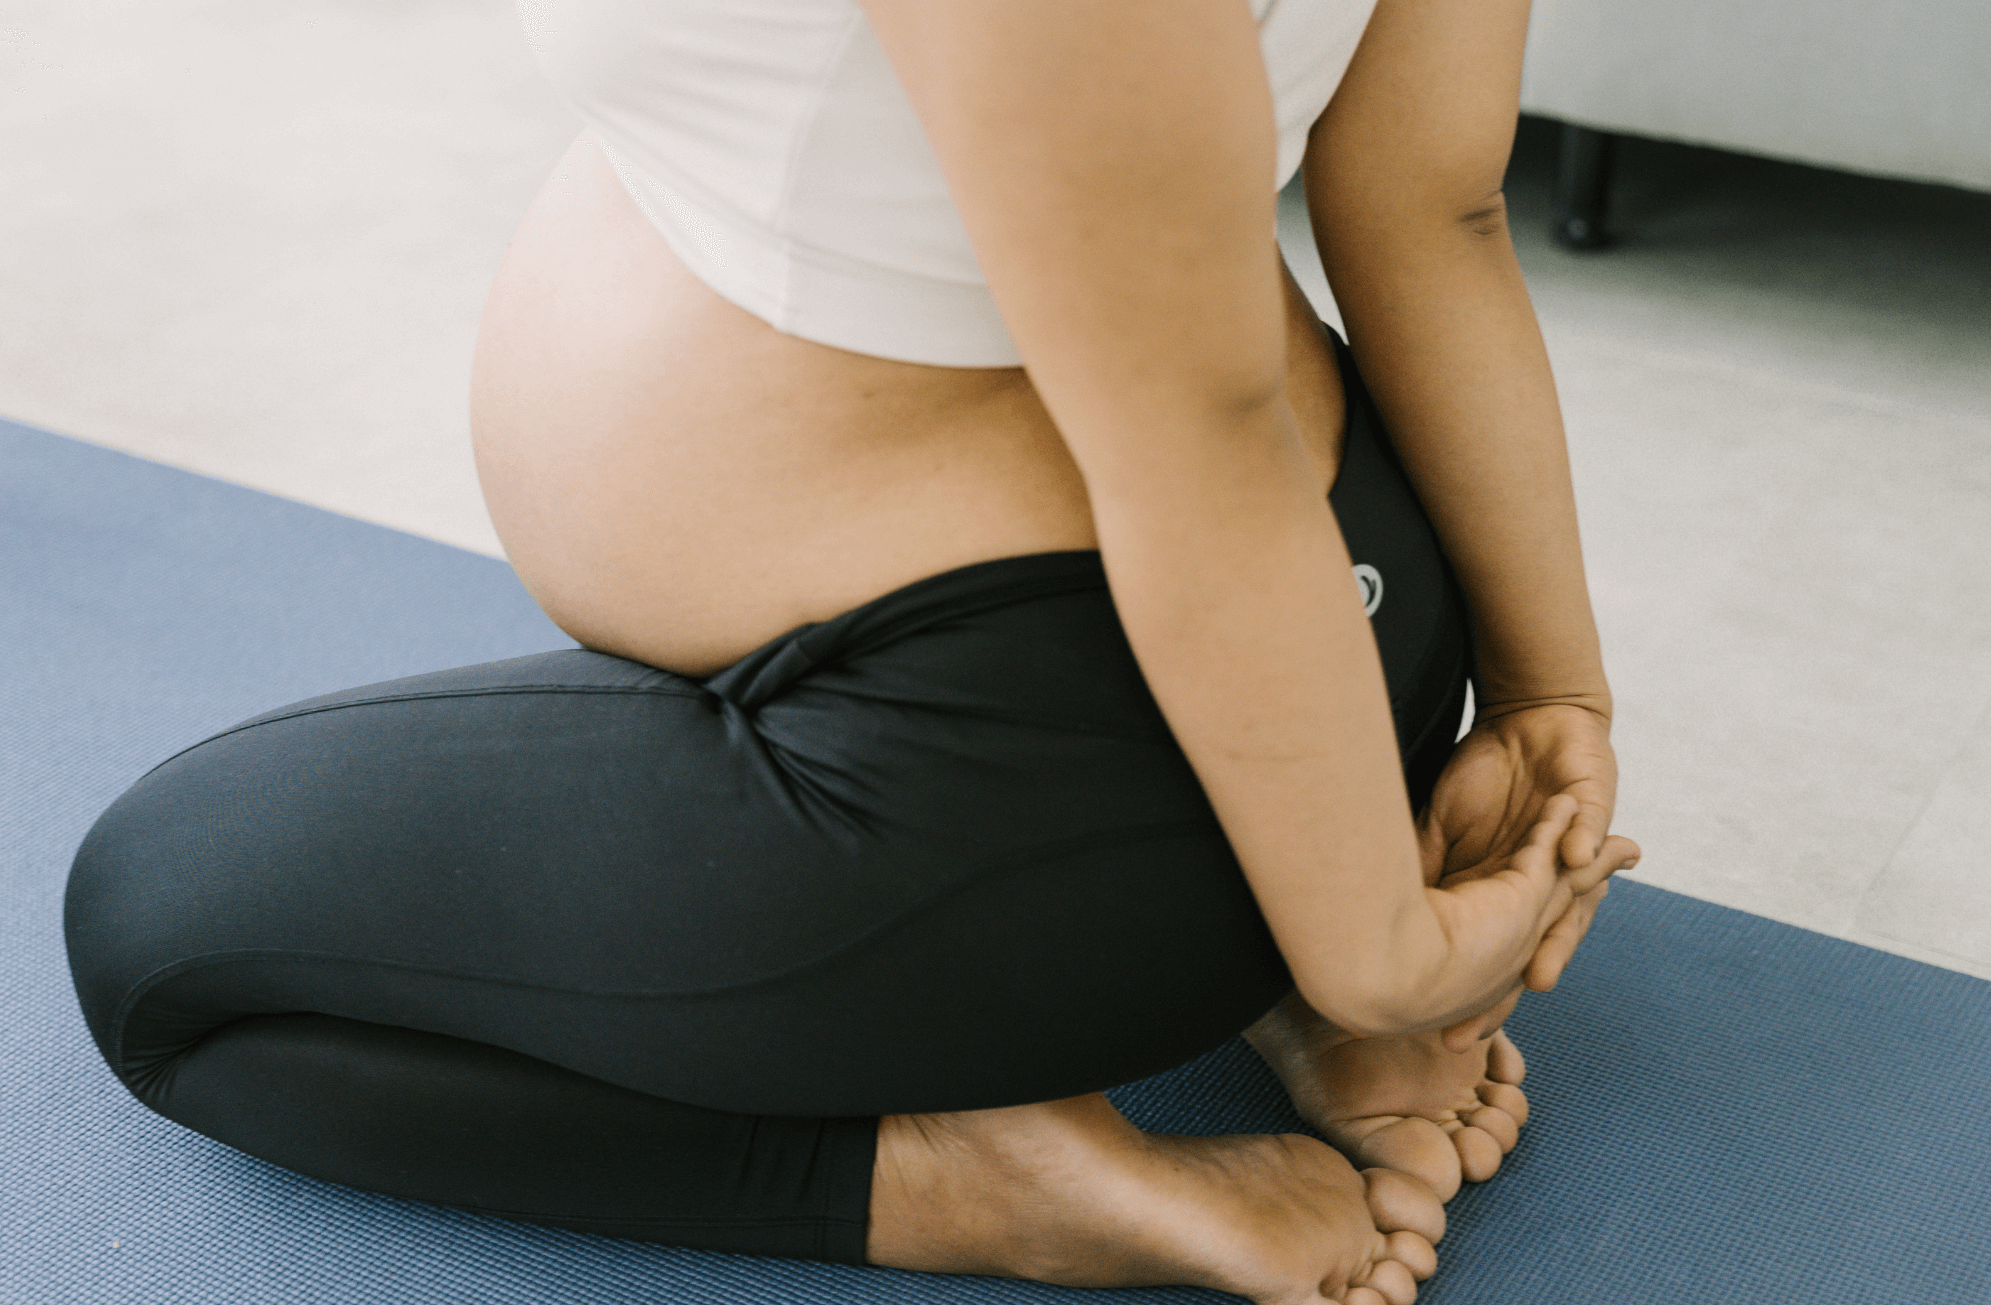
{"x":142,"y":890}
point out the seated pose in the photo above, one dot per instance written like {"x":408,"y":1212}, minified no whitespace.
{"x":1020,"y":651}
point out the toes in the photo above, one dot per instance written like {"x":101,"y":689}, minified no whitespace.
{"x":1507,"y":1097}
{"x":1497,"y":1124}
{"x":1413,"y":1253}
{"x":1363,"y":1296}
{"x":1418,"y":1147}
{"x":1390,"y":1281}
{"x":1401,"y":1203}
{"x":1504,"y":1062}
{"x":1479,"y":1154}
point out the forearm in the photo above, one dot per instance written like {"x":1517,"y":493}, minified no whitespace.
{"x":1232,"y":582}
{"x":1442,"y":326}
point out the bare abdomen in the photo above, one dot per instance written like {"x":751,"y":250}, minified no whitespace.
{"x":677,"y":482}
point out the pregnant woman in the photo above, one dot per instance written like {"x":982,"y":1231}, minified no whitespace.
{"x":1021,"y":649}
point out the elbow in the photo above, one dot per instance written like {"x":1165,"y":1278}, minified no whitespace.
{"x":1360,"y":1018}
{"x":1484,"y":218}
{"x":1385,"y":980}
{"x":1366,"y":1009}
{"x":1359,"y":242}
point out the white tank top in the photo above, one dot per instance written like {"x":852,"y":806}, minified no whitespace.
{"x":771,"y":144}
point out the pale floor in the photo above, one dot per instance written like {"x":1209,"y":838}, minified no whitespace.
{"x":253,"y":240}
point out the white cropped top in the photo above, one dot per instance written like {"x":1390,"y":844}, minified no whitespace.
{"x":771,"y":144}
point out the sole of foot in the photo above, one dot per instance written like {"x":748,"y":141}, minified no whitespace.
{"x":1069,"y":1192}
{"x":1401,"y":1103}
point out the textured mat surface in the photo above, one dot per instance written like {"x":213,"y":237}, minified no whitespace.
{"x":1727,"y":1109}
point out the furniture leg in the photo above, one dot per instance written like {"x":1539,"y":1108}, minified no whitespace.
{"x":1582,"y":188}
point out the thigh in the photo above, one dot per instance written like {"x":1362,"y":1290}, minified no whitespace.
{"x":938,"y":853}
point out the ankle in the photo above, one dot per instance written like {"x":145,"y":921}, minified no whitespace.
{"x":1293,"y":1026}
{"x":908,"y":1194}
{"x":961,"y":1192}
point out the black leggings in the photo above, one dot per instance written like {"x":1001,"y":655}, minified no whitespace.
{"x":574,"y":940}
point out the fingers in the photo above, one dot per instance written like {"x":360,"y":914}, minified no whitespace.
{"x":1550,"y":960}
{"x":1535,"y":852}
{"x":1432,"y":848}
{"x":1534,"y":861}
{"x":1460,"y":1037}
{"x":1614,"y":854}
{"x":1559,"y":941}
{"x":1527,"y":904}
{"x":1558,"y":945}
{"x":1585,"y":837}
{"x":1556,"y":822}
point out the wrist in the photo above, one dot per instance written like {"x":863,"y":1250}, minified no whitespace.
{"x":1538,"y":666}
{"x":1493,"y":706}
{"x":1500,"y":689}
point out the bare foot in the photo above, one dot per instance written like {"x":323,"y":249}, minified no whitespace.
{"x":1402,"y":1103}
{"x":1069,"y":1192}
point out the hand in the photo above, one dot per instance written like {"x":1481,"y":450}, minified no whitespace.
{"x":1503,"y":773}
{"x":1497,"y":915}
{"x":1494,"y":790}
{"x":1545,"y":967}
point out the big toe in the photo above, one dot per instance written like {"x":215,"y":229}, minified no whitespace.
{"x":1418,"y":1147}
{"x":1403,"y":1203}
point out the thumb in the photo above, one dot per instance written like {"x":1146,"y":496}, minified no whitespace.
{"x":1537,"y":858}
{"x":1584,"y":839}
{"x":1431,"y":848}
{"x":1615,"y":853}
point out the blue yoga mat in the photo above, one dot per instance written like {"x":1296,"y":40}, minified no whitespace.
{"x":1727,"y":1109}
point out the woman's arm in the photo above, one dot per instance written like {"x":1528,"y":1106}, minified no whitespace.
{"x":1403,"y":177}
{"x":1113,"y":162}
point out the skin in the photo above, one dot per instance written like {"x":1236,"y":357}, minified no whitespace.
{"x":677,"y":482}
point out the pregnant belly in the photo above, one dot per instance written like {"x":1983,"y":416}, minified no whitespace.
{"x":677,"y":482}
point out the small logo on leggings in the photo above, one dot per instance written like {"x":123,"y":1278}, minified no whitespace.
{"x":1370,"y":582}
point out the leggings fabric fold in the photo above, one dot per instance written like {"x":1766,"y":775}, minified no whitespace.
{"x":578,"y":941}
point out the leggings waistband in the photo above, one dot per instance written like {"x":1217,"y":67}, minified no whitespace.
{"x":952,"y":595}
